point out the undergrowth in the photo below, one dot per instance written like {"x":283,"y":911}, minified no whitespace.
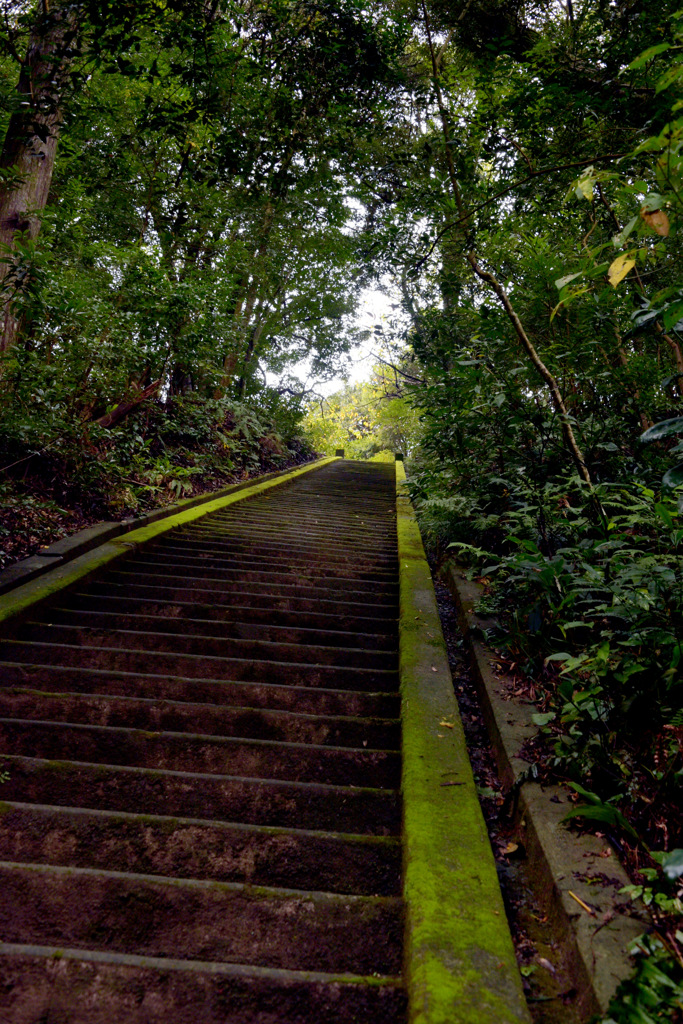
{"x":57,"y":477}
{"x":587,"y":591}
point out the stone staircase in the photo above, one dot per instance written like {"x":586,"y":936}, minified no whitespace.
{"x":201,"y":819}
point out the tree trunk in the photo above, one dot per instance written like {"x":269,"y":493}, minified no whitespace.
{"x":123,"y":409}
{"x":30,"y":146}
{"x":544,"y":373}
{"x":254,"y":339}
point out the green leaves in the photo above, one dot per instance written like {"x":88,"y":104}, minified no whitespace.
{"x":664,"y":514}
{"x":598,"y":810}
{"x":543,"y":718}
{"x":673,"y":477}
{"x":663,"y":429}
{"x":672,"y":314}
{"x":647,"y":55}
{"x":672,"y":864}
{"x":653,"y":994}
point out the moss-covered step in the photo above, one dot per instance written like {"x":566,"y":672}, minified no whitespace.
{"x":277,"y":696}
{"x":198,"y":919}
{"x":238,"y":611}
{"x":188,"y":752}
{"x":161,"y":715}
{"x":134,"y":656}
{"x":93,"y":615}
{"x":181,"y":642}
{"x":221,"y":601}
{"x":35,"y":591}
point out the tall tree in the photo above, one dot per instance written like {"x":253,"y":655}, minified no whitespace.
{"x":28,"y":153}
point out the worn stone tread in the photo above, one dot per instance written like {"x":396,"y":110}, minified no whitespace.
{"x":289,"y":858}
{"x":204,"y":919}
{"x":182,"y":642}
{"x":246,"y":562}
{"x":226,"y":599}
{"x":255,"y":758}
{"x":279,"y":588}
{"x":41,"y":981}
{"x":159,"y":715}
{"x":202,"y":811}
{"x":317,"y":700}
{"x":100,"y":618}
{"x":196,"y":666}
{"x":277,"y":802}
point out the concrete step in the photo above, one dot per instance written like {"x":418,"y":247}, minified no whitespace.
{"x":96,"y":617}
{"x":201,"y":814}
{"x":180,"y":642}
{"x":362,"y":811}
{"x":221,"y":601}
{"x":134,"y":572}
{"x":266,"y":541}
{"x":209,"y":556}
{"x":192,"y":567}
{"x":200,"y":539}
{"x":332,"y":538}
{"x":118,"y":601}
{"x":318,"y":701}
{"x":161,"y":715}
{"x":223,"y":922}
{"x":194,"y":752}
{"x":137,"y":659}
{"x":40,"y":982}
{"x":199,"y":848}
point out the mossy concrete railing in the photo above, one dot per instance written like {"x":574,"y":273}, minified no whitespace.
{"x":460,"y":965}
{"x":37,"y":591}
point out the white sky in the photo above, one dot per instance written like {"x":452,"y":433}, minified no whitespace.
{"x":374,"y":310}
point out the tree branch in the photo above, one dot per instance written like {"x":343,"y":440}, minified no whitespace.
{"x":123,"y":409}
{"x":510,"y":188}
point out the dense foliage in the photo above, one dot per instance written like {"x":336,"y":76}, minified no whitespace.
{"x":194,"y":234}
{"x":536,"y":241}
{"x":370,"y":420}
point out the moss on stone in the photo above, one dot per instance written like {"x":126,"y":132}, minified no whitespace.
{"x":459,"y":957}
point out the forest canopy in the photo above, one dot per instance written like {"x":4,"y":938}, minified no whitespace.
{"x":175,"y":224}
{"x":193,"y":195}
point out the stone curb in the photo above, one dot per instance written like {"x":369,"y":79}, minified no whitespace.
{"x":68,"y":548}
{"x":460,"y":965}
{"x":595,"y":948}
{"x":27,"y":593}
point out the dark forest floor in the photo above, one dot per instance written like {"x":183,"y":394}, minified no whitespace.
{"x":39,"y":508}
